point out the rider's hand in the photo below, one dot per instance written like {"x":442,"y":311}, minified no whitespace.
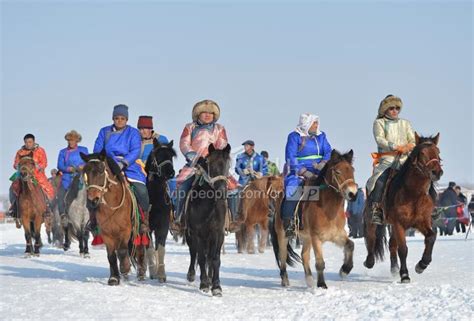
{"x":121,"y":165}
{"x":319,"y":166}
{"x":246,"y":171}
{"x":258,"y":175}
{"x":71,"y":169}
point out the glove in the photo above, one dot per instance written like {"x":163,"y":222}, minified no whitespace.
{"x":258,"y":175}
{"x":246,"y":171}
{"x":308,"y":175}
{"x":319,"y":166}
{"x":71,"y":169}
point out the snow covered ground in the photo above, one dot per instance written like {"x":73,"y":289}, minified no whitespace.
{"x":59,"y":285}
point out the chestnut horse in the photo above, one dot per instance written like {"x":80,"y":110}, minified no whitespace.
{"x":323,"y":220}
{"x":110,"y":197}
{"x":31,"y":204}
{"x":409,"y":202}
{"x":254,"y":205}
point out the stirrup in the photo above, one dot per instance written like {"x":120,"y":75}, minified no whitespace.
{"x":290,"y":228}
{"x":377,"y":215}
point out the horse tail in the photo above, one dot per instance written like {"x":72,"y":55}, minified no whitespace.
{"x":380,"y":242}
{"x":292,"y":256}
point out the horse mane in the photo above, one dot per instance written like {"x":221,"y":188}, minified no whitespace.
{"x":397,"y":182}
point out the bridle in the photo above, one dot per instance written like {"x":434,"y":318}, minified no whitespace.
{"x":208,"y":179}
{"x":339,"y":188}
{"x":423,"y":168}
{"x":104,"y":188}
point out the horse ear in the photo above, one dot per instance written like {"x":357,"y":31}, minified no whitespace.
{"x":417,"y":138}
{"x":335,"y":154}
{"x":170,"y":144}
{"x":211,"y":148}
{"x":436,"y":139}
{"x":84,"y":157}
{"x":103,"y":155}
{"x":227,"y":149}
{"x":156,"y":143}
{"x":201,"y":161}
{"x":349,"y":156}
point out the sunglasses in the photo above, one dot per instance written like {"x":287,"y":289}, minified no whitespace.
{"x":394,"y":108}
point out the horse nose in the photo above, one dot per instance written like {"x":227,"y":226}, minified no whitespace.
{"x":351,"y":196}
{"x":95,"y":202}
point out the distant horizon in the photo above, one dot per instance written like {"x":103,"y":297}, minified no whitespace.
{"x":65,"y":65}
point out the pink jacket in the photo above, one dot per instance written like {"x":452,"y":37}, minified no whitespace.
{"x":194,"y":143}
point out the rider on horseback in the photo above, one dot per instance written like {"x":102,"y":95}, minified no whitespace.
{"x":122,"y":143}
{"x":69,"y":163}
{"x":194,"y":144}
{"x":250,"y":165}
{"x":307,"y":151}
{"x":41,"y":162}
{"x":145,"y":126}
{"x":395,"y":140}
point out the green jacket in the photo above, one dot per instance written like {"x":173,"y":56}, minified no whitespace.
{"x":272,"y":169}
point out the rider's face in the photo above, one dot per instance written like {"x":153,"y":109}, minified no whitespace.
{"x":29,"y":143}
{"x":248,"y":148}
{"x":120,"y":122}
{"x":145,"y":132}
{"x":393,"y":111}
{"x":72,"y":143}
{"x":206,"y":118}
{"x":314,"y":127}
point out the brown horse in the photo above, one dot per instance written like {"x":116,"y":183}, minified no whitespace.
{"x":31,"y":204}
{"x":409,"y":202}
{"x":109,"y":196}
{"x":254,"y":205}
{"x":323,"y":220}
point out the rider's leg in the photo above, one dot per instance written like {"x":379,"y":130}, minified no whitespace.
{"x":376,"y":198}
{"x":141,"y":193}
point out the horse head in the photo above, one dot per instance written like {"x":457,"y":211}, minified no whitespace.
{"x":26,"y":167}
{"x":339,"y":174}
{"x":216,"y":167}
{"x":160,"y":161}
{"x":425,"y":157}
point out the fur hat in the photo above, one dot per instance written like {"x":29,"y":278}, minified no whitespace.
{"x":387,"y":102}
{"x":73,"y":135}
{"x":206,"y":106}
{"x":145,"y":122}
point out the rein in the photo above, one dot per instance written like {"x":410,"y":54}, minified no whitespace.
{"x":340,"y":186}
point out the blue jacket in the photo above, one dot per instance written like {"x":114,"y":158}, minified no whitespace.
{"x":70,"y":158}
{"x":123,"y":146}
{"x":315,"y":149}
{"x":259,"y":164}
{"x":357,"y":207}
{"x":147,"y":145}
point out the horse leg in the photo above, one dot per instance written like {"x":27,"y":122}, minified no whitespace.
{"x":306,"y":256}
{"x":430,"y":238}
{"x":85,"y":240}
{"x":114,"y":278}
{"x":262,"y":242}
{"x":394,"y":267}
{"x":250,"y":239}
{"x":348,"y":246}
{"x":27,"y":228}
{"x":124,"y":259}
{"x":283,"y":255}
{"x":67,"y":242}
{"x":215,"y":262}
{"x":204,"y":286}
{"x":37,"y":231}
{"x":191,"y":276}
{"x":320,"y":264}
{"x":161,"y":264}
{"x":399,"y":233}
{"x":369,"y":235}
{"x":152,"y":257}
{"x":80,"y":238}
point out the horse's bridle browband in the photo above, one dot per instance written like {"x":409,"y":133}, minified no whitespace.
{"x":105,"y":186}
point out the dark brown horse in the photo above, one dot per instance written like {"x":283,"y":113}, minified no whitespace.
{"x":255,"y":199}
{"x":111,"y":199}
{"x":409,"y":202}
{"x":31,"y":204}
{"x":323,"y":220}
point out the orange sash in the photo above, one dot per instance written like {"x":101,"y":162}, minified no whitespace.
{"x":377,"y":156}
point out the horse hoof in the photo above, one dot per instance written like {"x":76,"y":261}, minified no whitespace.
{"x":343,"y":274}
{"x":125,"y":276}
{"x":395,"y":270}
{"x":322,"y":285}
{"x":162,"y":280}
{"x":191,"y":277}
{"x":368,"y":265}
{"x":87,"y":256}
{"x":113,"y":281}
{"x":285,"y":283}
{"x":204,"y":288}
{"x":419,"y":269}
{"x":141,"y":278}
{"x":27,"y":255}
{"x":309,"y":282}
{"x":405,"y":279}
{"x":217,"y":292}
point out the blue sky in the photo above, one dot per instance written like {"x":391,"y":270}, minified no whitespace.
{"x":65,"y":65}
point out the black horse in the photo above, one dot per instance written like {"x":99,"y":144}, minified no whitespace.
{"x":205,"y":217}
{"x":159,"y":169}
